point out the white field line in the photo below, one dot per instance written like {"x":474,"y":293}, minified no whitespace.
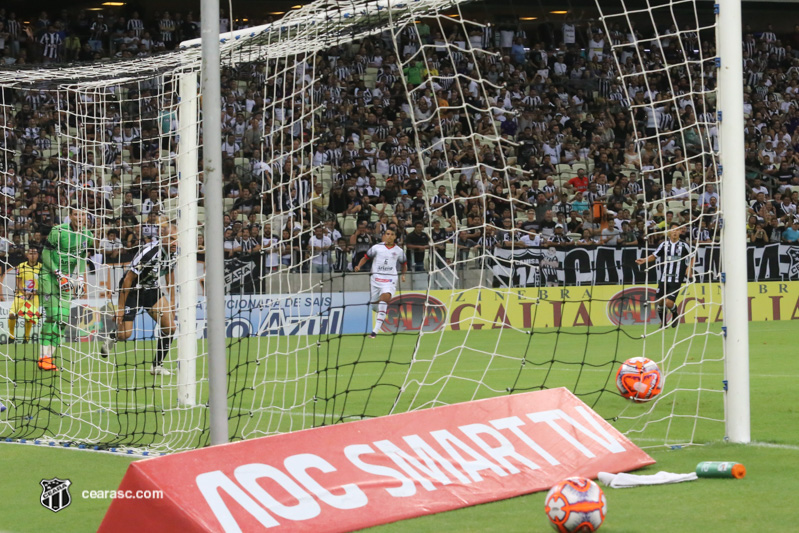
{"x":561,"y":367}
{"x":264,"y":410}
{"x":791,"y":447}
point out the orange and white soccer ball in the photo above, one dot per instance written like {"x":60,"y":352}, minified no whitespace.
{"x":639,"y":379}
{"x":576,"y":505}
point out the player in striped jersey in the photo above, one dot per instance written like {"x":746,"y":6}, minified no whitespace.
{"x":385,"y":257}
{"x":140,"y":288}
{"x":672,"y":252}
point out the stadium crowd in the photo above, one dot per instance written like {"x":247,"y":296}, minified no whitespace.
{"x":581,"y":161}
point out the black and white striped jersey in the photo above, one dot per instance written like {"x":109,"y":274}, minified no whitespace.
{"x":700,"y":234}
{"x":488,"y":242}
{"x":51,"y":43}
{"x":398,"y":170}
{"x":439,"y":199}
{"x":778,"y":51}
{"x":334,"y":156}
{"x":248,"y":245}
{"x":665,"y":121}
{"x":167,"y":27}
{"x":673,"y":256}
{"x":150,"y":264}
{"x":550,"y":189}
{"x":633,"y":187}
{"x":559,"y":239}
{"x":137,"y":26}
{"x":14,"y":28}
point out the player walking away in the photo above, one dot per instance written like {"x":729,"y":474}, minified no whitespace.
{"x":64,"y":255}
{"x":140,"y":288}
{"x":26,"y":296}
{"x":672,"y":252}
{"x":384,"y":256}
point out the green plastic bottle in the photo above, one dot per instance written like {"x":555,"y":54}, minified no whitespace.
{"x":726,"y":469}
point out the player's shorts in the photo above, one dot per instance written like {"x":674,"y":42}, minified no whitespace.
{"x":667,"y":290}
{"x":26,"y":309}
{"x":140,"y":299}
{"x":382,"y":285}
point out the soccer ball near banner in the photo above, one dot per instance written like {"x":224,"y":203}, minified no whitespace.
{"x":639,"y":379}
{"x":576,"y":505}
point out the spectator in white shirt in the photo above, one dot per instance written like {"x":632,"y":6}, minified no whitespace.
{"x":319,"y":157}
{"x":111,"y":246}
{"x":270,"y":246}
{"x":230,"y":147}
{"x":319,"y":247}
{"x":710,"y":192}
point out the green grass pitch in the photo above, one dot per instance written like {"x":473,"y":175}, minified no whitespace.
{"x":360,"y":377}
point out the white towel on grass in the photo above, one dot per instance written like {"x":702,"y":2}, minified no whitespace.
{"x":626,"y":481}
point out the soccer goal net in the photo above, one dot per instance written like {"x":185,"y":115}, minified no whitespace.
{"x":523,"y":181}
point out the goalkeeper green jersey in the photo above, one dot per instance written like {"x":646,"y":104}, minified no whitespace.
{"x":64,"y":249}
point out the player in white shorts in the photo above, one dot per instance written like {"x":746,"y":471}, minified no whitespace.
{"x":385,"y":257}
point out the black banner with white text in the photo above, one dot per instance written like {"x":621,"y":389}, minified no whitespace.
{"x":610,"y":265}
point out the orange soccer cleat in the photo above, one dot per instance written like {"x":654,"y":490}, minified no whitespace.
{"x":46,"y":363}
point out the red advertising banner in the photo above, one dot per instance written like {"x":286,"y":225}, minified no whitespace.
{"x":360,"y":474}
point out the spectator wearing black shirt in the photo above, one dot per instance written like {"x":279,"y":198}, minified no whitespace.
{"x":559,"y":239}
{"x":417,"y":243}
{"x":338,"y":200}
{"x":355,"y":204}
{"x":16,"y":251}
{"x":463,"y":189}
{"x":418,"y":207}
{"x":340,"y":255}
{"x":530,"y":224}
{"x":360,"y":242}
{"x":440,"y":236}
{"x":760,"y":236}
{"x":390,"y":192}
{"x":246,"y":203}
{"x":463,"y":247}
{"x":547,"y":225}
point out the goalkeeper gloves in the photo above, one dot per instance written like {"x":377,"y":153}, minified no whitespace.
{"x":64,"y":283}
{"x":76,"y":285}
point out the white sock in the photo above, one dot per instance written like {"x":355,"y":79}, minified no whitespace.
{"x":381,"y":316}
{"x":47,"y":351}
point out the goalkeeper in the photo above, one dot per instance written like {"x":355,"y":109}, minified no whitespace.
{"x":64,"y":255}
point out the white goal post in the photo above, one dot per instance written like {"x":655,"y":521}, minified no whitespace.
{"x":186,"y":270}
{"x":736,"y":318}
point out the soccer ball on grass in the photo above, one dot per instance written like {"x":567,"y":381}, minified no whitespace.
{"x":639,"y":379}
{"x":576,"y":505}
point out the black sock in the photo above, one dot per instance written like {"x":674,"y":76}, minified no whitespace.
{"x":162,"y":350}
